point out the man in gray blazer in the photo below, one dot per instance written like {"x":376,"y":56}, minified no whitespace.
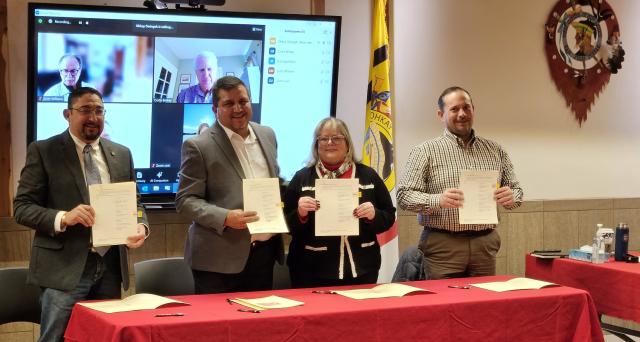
{"x":53,"y":199}
{"x":223,"y":255}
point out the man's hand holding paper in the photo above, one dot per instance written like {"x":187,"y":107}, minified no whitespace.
{"x":82,"y":214}
{"x":135,"y":241}
{"x":262,"y":196}
{"x":504,"y":196}
{"x":238,"y":218}
{"x":451,"y":198}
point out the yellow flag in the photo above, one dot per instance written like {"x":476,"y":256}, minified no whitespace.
{"x":378,"y":140}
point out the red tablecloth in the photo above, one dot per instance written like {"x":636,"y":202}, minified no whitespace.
{"x":549,"y":314}
{"x":614,"y":286}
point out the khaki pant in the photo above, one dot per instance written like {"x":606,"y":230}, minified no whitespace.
{"x":459,"y":255}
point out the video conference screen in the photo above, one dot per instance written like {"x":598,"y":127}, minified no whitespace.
{"x":152,"y":67}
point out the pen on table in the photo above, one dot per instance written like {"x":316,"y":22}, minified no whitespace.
{"x":170,"y":314}
{"x":229,"y":301}
{"x":464,"y":287}
{"x":323,"y":292}
{"x":249,"y":310}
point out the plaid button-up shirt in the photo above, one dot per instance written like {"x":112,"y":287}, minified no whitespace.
{"x":435,"y":165}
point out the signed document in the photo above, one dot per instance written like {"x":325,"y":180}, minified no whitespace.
{"x":265,"y":303}
{"x":116,"y":210}
{"x":262,"y":195}
{"x":140,"y":301}
{"x":382,"y":291}
{"x":513,"y":284}
{"x":479,"y":207}
{"x":338,"y":198}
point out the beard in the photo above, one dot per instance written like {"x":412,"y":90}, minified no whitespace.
{"x":91,"y":133}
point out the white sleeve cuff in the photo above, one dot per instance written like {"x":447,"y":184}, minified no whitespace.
{"x":57,"y":222}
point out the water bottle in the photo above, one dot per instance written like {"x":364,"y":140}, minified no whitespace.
{"x":622,"y":241}
{"x":595,"y":251}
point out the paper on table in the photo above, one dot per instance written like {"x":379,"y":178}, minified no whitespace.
{"x":549,"y":255}
{"x":381,"y":291}
{"x":263,"y":196}
{"x":265,"y":303}
{"x":338,"y":198}
{"x":478,"y":187}
{"x":513,"y":284}
{"x":116,"y":210}
{"x":140,"y":301}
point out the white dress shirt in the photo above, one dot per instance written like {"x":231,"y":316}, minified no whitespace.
{"x":253,"y":162}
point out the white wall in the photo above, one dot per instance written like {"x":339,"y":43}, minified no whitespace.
{"x":353,"y":74}
{"x":494,"y":48}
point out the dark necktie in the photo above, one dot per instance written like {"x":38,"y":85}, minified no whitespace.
{"x":92,"y":176}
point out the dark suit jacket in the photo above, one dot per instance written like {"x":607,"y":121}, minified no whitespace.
{"x":320,"y":255}
{"x":211,"y":185}
{"x":52,"y":180}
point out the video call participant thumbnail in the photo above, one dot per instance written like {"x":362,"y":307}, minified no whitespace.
{"x":205,"y":65}
{"x":70,"y":68}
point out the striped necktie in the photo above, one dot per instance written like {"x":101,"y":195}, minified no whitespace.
{"x":92,"y":176}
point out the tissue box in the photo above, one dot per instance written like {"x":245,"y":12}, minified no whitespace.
{"x":578,"y":254}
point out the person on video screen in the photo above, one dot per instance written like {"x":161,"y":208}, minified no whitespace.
{"x":70,"y":68}
{"x":205,"y":65}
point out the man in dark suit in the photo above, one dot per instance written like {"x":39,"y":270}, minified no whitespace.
{"x":53,"y":199}
{"x":223,"y":255}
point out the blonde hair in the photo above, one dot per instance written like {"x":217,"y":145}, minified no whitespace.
{"x":339,"y":126}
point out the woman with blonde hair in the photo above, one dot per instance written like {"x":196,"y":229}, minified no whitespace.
{"x":335,"y":260}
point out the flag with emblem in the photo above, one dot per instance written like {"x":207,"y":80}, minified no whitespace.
{"x":378,"y":139}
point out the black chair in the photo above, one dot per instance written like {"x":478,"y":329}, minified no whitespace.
{"x":19,"y":302}
{"x":164,"y":277}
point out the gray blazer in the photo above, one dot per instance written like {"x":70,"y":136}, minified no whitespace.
{"x":52,"y":180}
{"x":211,"y":185}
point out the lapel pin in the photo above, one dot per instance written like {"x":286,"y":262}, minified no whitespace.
{"x":113,"y":154}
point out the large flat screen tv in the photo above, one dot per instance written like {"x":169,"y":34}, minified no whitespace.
{"x":141,"y":61}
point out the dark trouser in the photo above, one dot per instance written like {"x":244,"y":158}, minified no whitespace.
{"x":457,"y":255}
{"x":257,"y":274}
{"x":303,"y":279}
{"x":100,"y":280}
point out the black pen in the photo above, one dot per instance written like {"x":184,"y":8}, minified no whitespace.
{"x":323,"y":292}
{"x":229,"y":301}
{"x":170,"y":314}
{"x":249,"y":310}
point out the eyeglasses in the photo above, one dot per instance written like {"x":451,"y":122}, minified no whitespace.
{"x":232,"y":105}
{"x":73,"y":72}
{"x":85,"y":110}
{"x":336,"y":139}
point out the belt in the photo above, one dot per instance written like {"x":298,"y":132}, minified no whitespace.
{"x":471,"y":233}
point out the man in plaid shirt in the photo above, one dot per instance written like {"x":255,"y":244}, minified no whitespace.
{"x":429,"y":187}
